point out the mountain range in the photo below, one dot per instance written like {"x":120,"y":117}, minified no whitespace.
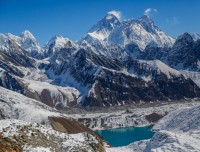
{"x":115,"y":63}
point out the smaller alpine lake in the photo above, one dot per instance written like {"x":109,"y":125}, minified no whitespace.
{"x":124,"y":136}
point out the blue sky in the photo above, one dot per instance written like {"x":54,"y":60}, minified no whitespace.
{"x":73,"y":18}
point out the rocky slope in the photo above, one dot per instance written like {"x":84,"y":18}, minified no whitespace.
{"x":24,"y":120}
{"x":178,"y":131}
{"x":51,"y":95}
{"x":23,"y":136}
{"x":19,"y":72}
{"x":184,"y":55}
{"x":105,"y":82}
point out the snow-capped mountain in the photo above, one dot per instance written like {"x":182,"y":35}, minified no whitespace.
{"x":30,"y":44}
{"x":6,"y":40}
{"x":99,"y":78}
{"x":56,"y":43}
{"x":196,"y":36}
{"x":116,"y":63}
{"x":91,"y":73}
{"x":12,"y":55}
{"x":103,"y":28}
{"x":26,"y":41}
{"x":142,"y":32}
{"x":183,"y":55}
{"x":19,"y":72}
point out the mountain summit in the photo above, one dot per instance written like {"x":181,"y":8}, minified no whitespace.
{"x":102,"y":29}
{"x":141,"y":32}
{"x":56,"y":43}
{"x":27,"y":34}
{"x":30,"y":44}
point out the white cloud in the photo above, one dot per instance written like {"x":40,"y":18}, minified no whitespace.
{"x":149,"y":11}
{"x":118,"y":14}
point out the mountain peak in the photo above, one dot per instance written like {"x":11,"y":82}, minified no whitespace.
{"x":101,"y":30}
{"x":186,"y":37}
{"x":112,"y":14}
{"x":140,"y":31}
{"x":196,"y":36}
{"x":56,"y":43}
{"x":146,"y":19}
{"x":57,"y":39}
{"x":27,"y":34}
{"x":183,"y":40}
{"x":30,"y":44}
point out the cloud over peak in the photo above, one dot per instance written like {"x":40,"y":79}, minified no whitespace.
{"x":118,"y":14}
{"x":149,"y":11}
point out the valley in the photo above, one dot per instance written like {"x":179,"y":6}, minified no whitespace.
{"x":119,"y":74}
{"x":136,"y":115}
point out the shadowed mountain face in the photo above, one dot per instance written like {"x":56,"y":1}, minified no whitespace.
{"x":106,"y":82}
{"x":184,"y":55}
{"x":115,"y":63}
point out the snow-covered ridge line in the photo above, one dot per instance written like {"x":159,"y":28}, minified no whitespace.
{"x":16,"y":106}
{"x":141,"y":32}
{"x":55,"y":96}
{"x":161,"y":67}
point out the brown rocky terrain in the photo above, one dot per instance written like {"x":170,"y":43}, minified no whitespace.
{"x":72,"y":126}
{"x":9,"y":144}
{"x":31,"y":137}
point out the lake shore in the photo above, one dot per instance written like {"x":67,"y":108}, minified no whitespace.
{"x":131,"y":116}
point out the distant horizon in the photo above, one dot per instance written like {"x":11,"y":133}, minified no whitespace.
{"x":73,"y":18}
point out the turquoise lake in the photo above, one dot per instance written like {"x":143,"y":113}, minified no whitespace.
{"x":125,"y":136}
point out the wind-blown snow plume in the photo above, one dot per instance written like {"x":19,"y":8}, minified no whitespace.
{"x":148,"y":11}
{"x":118,"y":14}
